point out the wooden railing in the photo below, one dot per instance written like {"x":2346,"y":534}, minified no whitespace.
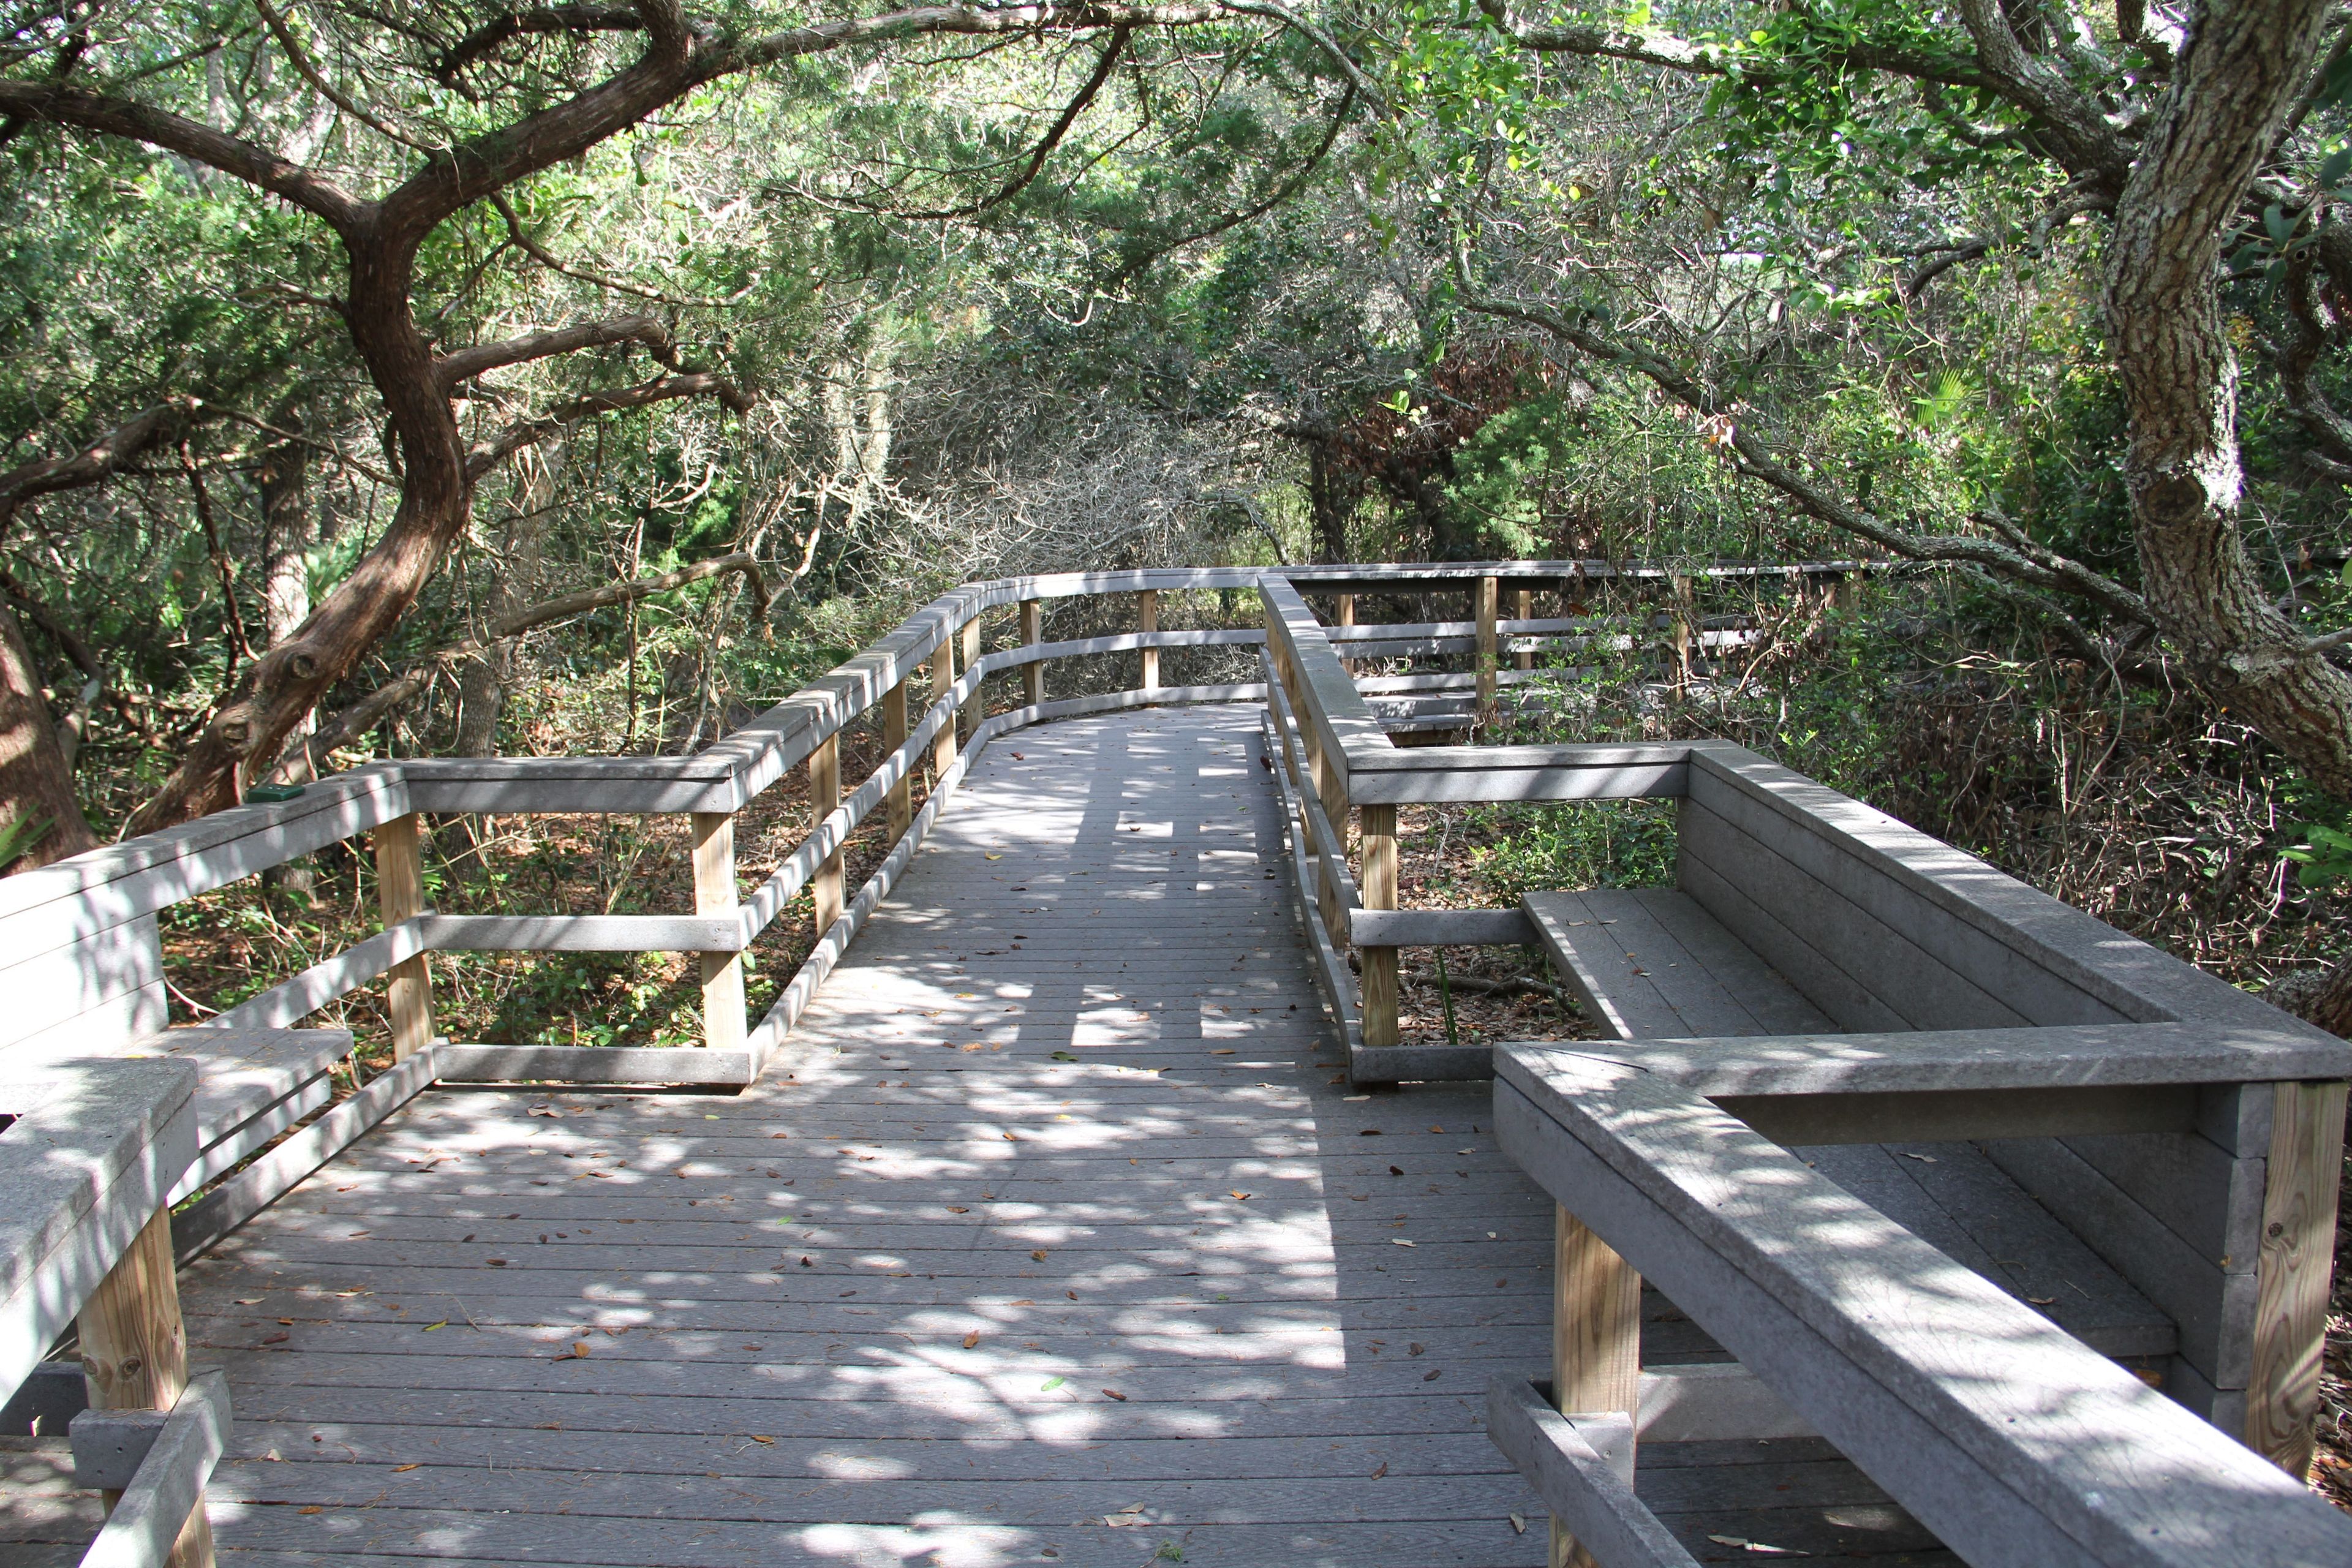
{"x":83,"y":965}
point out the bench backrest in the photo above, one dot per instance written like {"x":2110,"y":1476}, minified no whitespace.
{"x":1884,"y":927}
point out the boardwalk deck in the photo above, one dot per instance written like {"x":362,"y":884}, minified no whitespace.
{"x":1062,"y":1241}
{"x":1104,"y":890}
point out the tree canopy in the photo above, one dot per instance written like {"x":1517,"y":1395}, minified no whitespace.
{"x":370,"y":367}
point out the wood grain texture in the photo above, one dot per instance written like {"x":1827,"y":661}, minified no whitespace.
{"x":1596,"y":1342}
{"x":1033,"y":632}
{"x":1377,"y":825}
{"x":2295,"y":1268}
{"x":400,"y":896}
{"x":972,"y":711}
{"x":824,"y":797}
{"x":901,"y":794}
{"x":1147,"y":620}
{"x":1485,"y":600}
{"x":715,"y":895}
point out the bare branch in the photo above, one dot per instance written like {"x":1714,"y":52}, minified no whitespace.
{"x":311,"y":74}
{"x":57,"y":104}
{"x":2031,"y":563}
{"x":1045,"y":145}
{"x":487,"y":455}
{"x":462,"y":364}
{"x":103,"y":458}
{"x":363,"y":715}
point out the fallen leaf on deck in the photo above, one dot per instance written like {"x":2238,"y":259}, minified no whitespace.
{"x":958,"y":1208}
{"x":442,"y":1325}
{"x":1241,"y":1198}
{"x":1064,"y":1056}
{"x":1381,"y":1471}
{"x":1050,"y":1384}
{"x":1115,"y":1393}
{"x":1039,"y":1255}
{"x":312,"y":1507}
{"x":971,"y":1339}
{"x":1399,"y":1241}
{"x":403,"y":1470}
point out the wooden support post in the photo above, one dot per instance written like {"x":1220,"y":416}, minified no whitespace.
{"x":1526,"y":657}
{"x":1346,"y":612}
{"x":400,"y":896}
{"x":723,"y":1024}
{"x":134,"y":1354}
{"x":894,"y":739}
{"x":975,"y":707}
{"x":1033,"y":627}
{"x":943,"y":745}
{"x":1147,"y":619}
{"x":1682,"y":621}
{"x":1332,"y":790}
{"x":1596,"y":1339}
{"x":824,"y":795}
{"x":1488,"y":592}
{"x":1376,"y":827}
{"x":2292,"y":1271}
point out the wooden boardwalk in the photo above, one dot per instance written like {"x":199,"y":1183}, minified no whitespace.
{"x":1181,"y":1253}
{"x":1061,"y":1243}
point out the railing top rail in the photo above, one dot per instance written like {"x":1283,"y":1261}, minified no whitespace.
{"x":122,"y":881}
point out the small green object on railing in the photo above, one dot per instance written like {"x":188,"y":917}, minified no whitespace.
{"x":271,"y":794}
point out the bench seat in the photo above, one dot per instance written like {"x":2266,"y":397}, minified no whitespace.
{"x":1651,"y":964}
{"x":251,"y":1086}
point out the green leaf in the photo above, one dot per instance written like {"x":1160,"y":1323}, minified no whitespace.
{"x":1050,"y":1384}
{"x":2337,"y":165}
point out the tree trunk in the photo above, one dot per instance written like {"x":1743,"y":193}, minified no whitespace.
{"x":280,"y":689}
{"x":481,"y":689}
{"x":289,"y":531}
{"x":34,"y":784}
{"x":2237,"y":78}
{"x":2331,"y":1008}
{"x":1330,"y":498}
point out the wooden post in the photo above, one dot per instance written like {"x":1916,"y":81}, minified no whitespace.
{"x":2291,"y":1273}
{"x":1032,"y":676}
{"x":894,"y":740}
{"x":1346,"y":614}
{"x":1596,"y":1341}
{"x":1488,"y":591}
{"x":1147,"y":619}
{"x":1681,"y":618}
{"x":134,"y":1353}
{"x":975,"y":707}
{"x":825,"y":795}
{"x":1376,"y":827}
{"x":1526,"y":658}
{"x":723,"y":1024}
{"x":943,"y":745}
{"x":1332,"y":790}
{"x":400,"y":896}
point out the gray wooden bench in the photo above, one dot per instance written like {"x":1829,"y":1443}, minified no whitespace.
{"x":2011,"y":1440}
{"x":1651,"y":964}
{"x":1796,"y":908}
{"x":1921,"y":1149}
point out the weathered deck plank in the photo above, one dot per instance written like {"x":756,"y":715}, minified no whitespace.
{"x":1100,"y":890}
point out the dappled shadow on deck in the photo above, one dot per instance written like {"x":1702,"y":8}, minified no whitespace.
{"x":1055,"y":1242}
